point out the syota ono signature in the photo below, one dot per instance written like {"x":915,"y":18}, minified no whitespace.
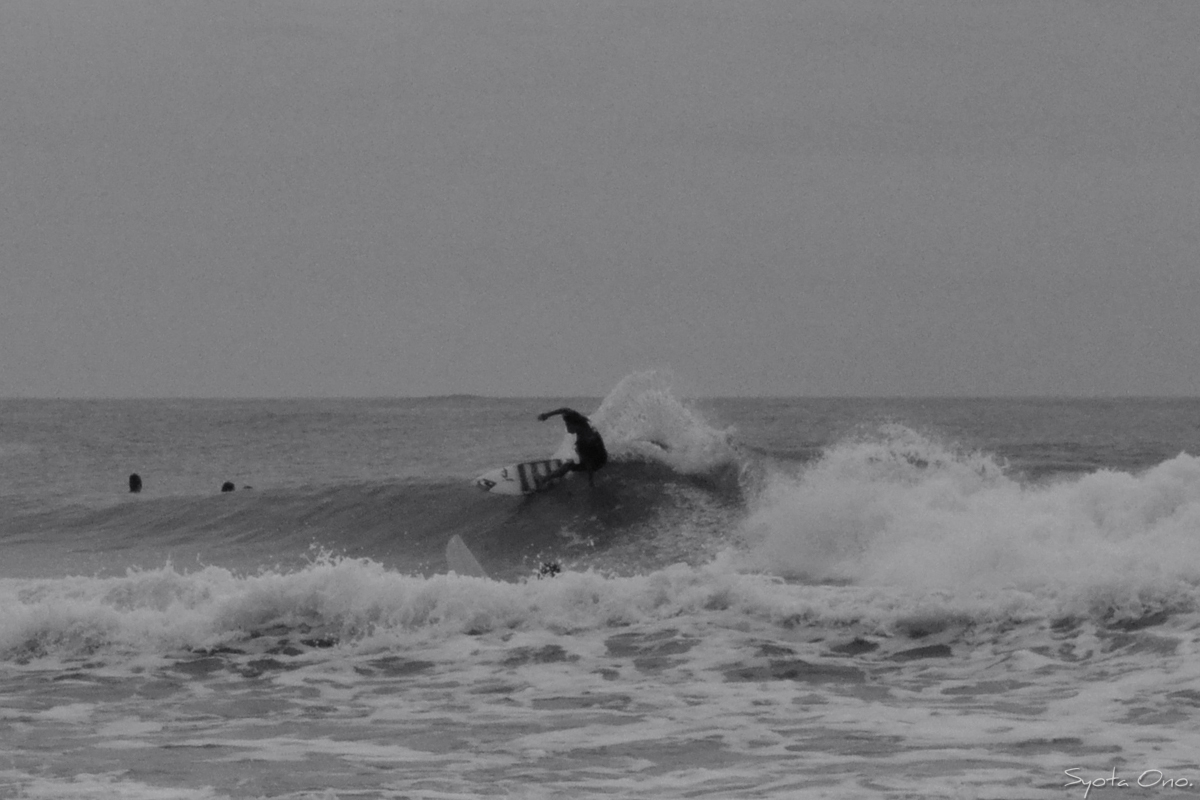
{"x":1148,"y":779}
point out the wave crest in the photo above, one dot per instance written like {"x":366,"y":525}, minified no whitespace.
{"x":903,"y":510}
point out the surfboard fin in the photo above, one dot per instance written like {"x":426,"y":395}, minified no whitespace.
{"x":460,"y":560}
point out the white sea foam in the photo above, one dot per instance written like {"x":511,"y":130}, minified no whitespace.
{"x":359,"y":603}
{"x":687,"y":680}
{"x":903,"y":511}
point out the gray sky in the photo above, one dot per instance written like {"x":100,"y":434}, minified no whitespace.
{"x":276,"y":197}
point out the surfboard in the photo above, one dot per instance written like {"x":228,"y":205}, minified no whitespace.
{"x":460,"y":560}
{"x":517,"y":478}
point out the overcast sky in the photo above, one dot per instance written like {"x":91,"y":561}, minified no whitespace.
{"x":537,"y":197}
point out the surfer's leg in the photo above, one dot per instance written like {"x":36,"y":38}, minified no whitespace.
{"x":591,"y":466}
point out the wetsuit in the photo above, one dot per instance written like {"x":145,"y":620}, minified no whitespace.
{"x":590,"y":449}
{"x":589,"y":446}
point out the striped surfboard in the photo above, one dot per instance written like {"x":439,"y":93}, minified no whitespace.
{"x":517,"y":478}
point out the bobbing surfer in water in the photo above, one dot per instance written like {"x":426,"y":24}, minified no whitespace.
{"x":589,"y":447}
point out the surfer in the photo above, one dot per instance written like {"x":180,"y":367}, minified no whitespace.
{"x":589,"y":447}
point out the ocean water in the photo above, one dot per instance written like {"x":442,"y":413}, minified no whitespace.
{"x":992,"y":598}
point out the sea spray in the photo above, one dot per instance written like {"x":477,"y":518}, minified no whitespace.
{"x":642,"y":418}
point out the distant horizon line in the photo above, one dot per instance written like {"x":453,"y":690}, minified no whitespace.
{"x":473,"y":396}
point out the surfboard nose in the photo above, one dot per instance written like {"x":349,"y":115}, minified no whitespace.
{"x":485,"y":484}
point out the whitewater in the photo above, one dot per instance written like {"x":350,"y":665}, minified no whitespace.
{"x":783,"y":597}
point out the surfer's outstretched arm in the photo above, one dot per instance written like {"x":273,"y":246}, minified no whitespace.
{"x":556,"y":412}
